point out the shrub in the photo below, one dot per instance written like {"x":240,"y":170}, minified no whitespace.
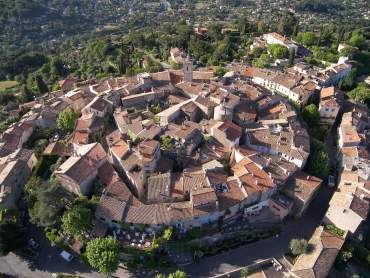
{"x":334,"y":230}
{"x":51,"y":235}
{"x":219,"y":71}
{"x":298,"y":246}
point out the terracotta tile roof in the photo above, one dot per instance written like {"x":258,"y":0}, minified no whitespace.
{"x":231,"y":130}
{"x":195,"y":89}
{"x":99,"y":104}
{"x":113,"y":137}
{"x":252,"y":178}
{"x":361,"y":207}
{"x":329,"y":103}
{"x":202,"y":197}
{"x":83,"y":124}
{"x":350,"y":134}
{"x":318,"y":262}
{"x":232,"y":197}
{"x":279,"y":37}
{"x":81,"y":166}
{"x":107,"y":175}
{"x":216,"y":177}
{"x":80,"y":138}
{"x":193,"y":178}
{"x":215,"y":150}
{"x":110,"y":208}
{"x":190,"y":108}
{"x":205,"y":101}
{"x":249,"y":92}
{"x":245,"y":112}
{"x":183,"y":132}
{"x":327,"y":92}
{"x":350,"y":151}
{"x":302,"y":185}
{"x":57,"y":148}
{"x":150,"y":133}
{"x":147,"y":150}
{"x":119,"y":148}
{"x":246,"y":151}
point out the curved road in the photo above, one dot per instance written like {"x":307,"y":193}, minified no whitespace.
{"x":50,"y":262}
{"x":265,"y":249}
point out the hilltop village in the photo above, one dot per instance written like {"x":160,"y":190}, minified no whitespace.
{"x":187,"y":149}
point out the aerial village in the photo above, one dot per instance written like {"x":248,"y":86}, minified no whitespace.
{"x":188,"y":149}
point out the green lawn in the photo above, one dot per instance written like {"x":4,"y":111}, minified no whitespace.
{"x":7,"y":85}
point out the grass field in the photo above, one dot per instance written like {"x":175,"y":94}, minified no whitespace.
{"x":7,"y":85}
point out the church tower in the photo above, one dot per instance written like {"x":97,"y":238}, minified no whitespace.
{"x":188,"y":69}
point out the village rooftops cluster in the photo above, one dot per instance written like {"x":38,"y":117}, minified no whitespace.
{"x":175,"y":131}
{"x":163,"y":163}
{"x":349,"y":206}
{"x":180,"y":147}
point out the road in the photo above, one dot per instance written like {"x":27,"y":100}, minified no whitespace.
{"x":49,"y":261}
{"x":273,"y":247}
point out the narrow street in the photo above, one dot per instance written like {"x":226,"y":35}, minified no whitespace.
{"x":273,"y":247}
{"x":50,"y":262}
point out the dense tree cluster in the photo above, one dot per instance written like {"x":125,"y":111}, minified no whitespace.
{"x":361,"y":94}
{"x":47,"y":201}
{"x":103,"y":254}
{"x":67,"y":119}
{"x":318,"y":163}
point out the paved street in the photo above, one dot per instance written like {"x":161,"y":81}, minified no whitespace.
{"x":273,"y":247}
{"x":49,"y":261}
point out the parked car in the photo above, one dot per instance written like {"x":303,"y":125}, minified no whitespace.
{"x":33,"y":244}
{"x":65,"y":255}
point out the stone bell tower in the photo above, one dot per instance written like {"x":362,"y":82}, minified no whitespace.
{"x":188,"y":69}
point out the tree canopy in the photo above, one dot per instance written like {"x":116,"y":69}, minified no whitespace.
{"x":311,"y":114}
{"x":278,"y":51}
{"x":103,"y":254}
{"x":357,"y":39}
{"x":307,"y":38}
{"x":50,"y":199}
{"x":77,"y":220}
{"x":318,"y":163}
{"x":220,"y":71}
{"x":361,"y":94}
{"x":67,"y":119}
{"x":298,"y":246}
{"x":262,"y":62}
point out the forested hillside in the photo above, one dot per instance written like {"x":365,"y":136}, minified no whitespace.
{"x":56,"y":38}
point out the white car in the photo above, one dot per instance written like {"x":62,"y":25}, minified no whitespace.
{"x":65,"y":255}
